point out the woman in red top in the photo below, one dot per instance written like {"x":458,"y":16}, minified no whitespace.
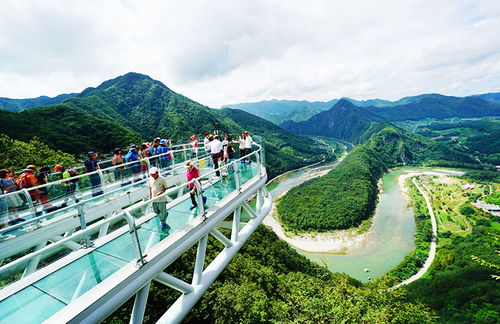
{"x":193,"y":173}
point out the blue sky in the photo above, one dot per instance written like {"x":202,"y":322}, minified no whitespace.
{"x":223,"y":52}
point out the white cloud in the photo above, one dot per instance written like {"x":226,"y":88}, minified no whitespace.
{"x":220,"y":52}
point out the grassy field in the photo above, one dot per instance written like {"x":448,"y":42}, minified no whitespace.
{"x":450,"y":200}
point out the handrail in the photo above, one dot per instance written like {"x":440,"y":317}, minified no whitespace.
{"x":81,"y":203}
{"x":109,"y":160}
{"x":133,"y":229}
{"x":111,"y":168}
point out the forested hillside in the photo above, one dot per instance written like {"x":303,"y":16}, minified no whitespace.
{"x":347,"y":195}
{"x":343,"y":121}
{"x":16,"y":154}
{"x":476,"y":137}
{"x":347,"y":121}
{"x":67,"y":128}
{"x":492,"y":96}
{"x":439,"y":106}
{"x":278,"y":111}
{"x":17,"y":105}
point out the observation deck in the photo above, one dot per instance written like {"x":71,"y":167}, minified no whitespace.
{"x":83,"y":253}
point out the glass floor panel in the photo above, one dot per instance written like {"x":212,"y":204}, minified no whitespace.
{"x":123,"y":246}
{"x":175,"y":221}
{"x":73,"y":280}
{"x":183,"y":207}
{"x":29,"y":305}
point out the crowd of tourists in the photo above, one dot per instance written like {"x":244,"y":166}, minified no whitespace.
{"x":219,"y":148}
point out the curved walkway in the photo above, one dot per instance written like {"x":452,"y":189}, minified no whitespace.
{"x":432,"y":251}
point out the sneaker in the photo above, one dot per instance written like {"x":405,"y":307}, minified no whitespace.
{"x":193,"y":207}
{"x":204,"y":200}
{"x":163,"y":226}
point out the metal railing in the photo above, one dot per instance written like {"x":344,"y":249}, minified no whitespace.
{"x":86,"y":186}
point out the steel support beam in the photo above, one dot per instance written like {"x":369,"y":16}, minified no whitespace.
{"x":173,"y":282}
{"x":33,"y":264}
{"x":200,"y":260}
{"x":249,"y":209}
{"x":236,"y":224}
{"x":140,"y":302}
{"x":221,"y":238}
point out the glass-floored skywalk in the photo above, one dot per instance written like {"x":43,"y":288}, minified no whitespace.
{"x":45,"y":296}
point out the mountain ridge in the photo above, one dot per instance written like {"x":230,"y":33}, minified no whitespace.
{"x":141,"y":108}
{"x":280,"y":111}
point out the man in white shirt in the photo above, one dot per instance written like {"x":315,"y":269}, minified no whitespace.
{"x":248,"y":146}
{"x":216,"y":150}
{"x":157,"y":186}
{"x":206,"y":143}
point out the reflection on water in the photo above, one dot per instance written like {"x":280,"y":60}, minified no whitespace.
{"x":390,"y":239}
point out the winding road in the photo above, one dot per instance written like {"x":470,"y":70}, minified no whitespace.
{"x":432,"y":250}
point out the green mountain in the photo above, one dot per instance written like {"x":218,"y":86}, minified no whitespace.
{"x":348,"y":122}
{"x":475,"y":137}
{"x":67,"y":128}
{"x":17,"y":105}
{"x":347,"y":195}
{"x":407,"y":108}
{"x":278,"y":111}
{"x":492,"y":96}
{"x":343,"y":121}
{"x":439,"y":107}
{"x":133,"y":108}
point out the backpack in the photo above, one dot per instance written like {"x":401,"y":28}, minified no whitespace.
{"x":73,"y":173}
{"x":22,"y":181}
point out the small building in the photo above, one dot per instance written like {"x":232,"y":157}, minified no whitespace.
{"x":468,"y":186}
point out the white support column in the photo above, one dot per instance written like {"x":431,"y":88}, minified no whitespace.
{"x":236,"y":224}
{"x":220,"y":237}
{"x":258,"y":204}
{"x":33,"y":264}
{"x":103,"y":230}
{"x":173,"y":282}
{"x":249,"y":209}
{"x":140,"y":302}
{"x":200,"y":260}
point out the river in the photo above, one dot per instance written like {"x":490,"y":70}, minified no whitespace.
{"x":391,"y":235}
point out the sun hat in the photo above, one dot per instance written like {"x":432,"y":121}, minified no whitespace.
{"x":30,"y":167}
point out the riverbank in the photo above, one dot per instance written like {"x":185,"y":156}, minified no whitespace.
{"x":337,"y":242}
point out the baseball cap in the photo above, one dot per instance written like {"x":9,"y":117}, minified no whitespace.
{"x":153,"y":170}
